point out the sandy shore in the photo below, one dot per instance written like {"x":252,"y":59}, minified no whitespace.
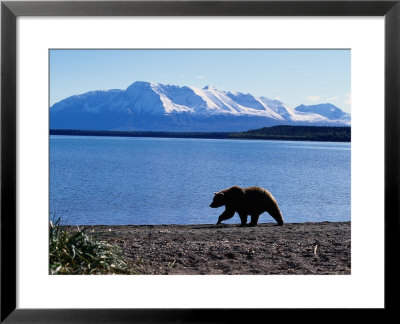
{"x":303,"y":248}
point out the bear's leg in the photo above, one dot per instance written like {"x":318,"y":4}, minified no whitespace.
{"x":254,"y":220}
{"x":243,"y":219}
{"x":228,"y":213}
{"x":276,"y":214}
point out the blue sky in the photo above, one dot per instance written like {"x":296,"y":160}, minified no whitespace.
{"x":292,"y":76}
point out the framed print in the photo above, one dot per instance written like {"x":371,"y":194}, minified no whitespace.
{"x":186,"y":78}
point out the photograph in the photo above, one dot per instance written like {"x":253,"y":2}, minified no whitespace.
{"x":162,"y":160}
{"x":199,"y":161}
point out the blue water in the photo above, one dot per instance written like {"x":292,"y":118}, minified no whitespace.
{"x":119,"y":180}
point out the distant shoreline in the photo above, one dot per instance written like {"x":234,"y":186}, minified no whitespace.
{"x":285,"y":133}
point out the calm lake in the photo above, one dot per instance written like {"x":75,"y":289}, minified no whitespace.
{"x":126,"y":180}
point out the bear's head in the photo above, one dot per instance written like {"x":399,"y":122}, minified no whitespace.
{"x":219,"y":200}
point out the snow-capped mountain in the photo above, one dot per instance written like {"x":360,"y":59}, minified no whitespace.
{"x":149,"y":106}
{"x":326,"y":110}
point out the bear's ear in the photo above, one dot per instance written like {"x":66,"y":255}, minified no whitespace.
{"x":216,"y":193}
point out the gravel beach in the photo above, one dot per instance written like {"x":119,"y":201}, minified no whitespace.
{"x":297,"y":248}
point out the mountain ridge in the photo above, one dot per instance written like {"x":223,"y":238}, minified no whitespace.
{"x":148,"y":106}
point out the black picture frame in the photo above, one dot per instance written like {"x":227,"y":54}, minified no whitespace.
{"x":10,"y":10}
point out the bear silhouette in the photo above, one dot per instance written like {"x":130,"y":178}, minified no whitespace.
{"x":251,"y":201}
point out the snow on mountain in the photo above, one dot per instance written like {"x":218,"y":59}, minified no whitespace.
{"x":158,"y":107}
{"x":326,"y":110}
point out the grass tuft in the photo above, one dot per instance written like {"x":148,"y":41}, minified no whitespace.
{"x":77,"y":252}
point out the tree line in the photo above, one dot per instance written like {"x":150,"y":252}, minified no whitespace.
{"x":282,"y":132}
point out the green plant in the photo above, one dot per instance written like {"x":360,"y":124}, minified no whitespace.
{"x":77,"y":252}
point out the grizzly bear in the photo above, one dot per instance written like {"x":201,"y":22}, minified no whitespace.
{"x":251,"y":201}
